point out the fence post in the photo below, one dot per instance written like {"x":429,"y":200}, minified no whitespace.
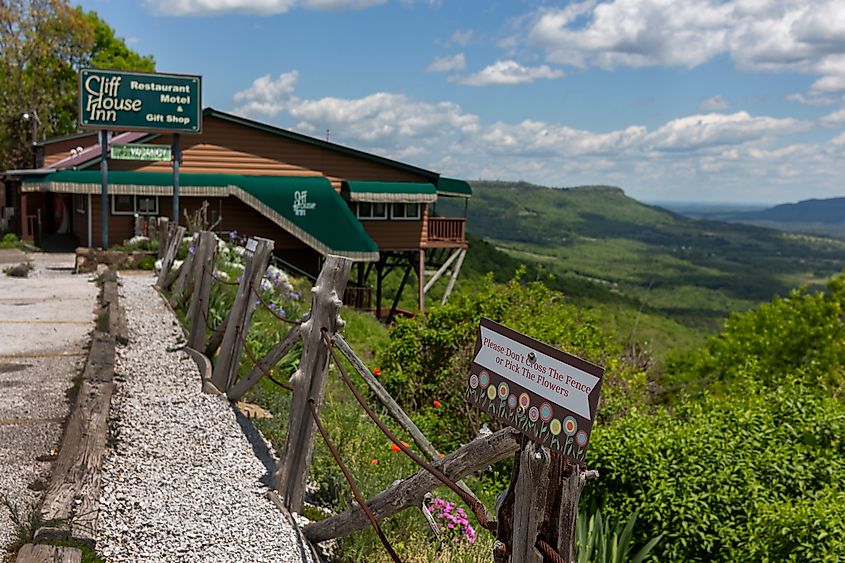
{"x":203,"y":270}
{"x":174,"y":238}
{"x":309,"y":381}
{"x":226,"y":367}
{"x":542,"y":501}
{"x":185,"y":274}
{"x":163,"y":228}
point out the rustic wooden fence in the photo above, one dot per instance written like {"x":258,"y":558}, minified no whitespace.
{"x":535,"y":517}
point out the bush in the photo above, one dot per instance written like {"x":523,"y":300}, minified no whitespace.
{"x":427,"y":358}
{"x":710,"y":475}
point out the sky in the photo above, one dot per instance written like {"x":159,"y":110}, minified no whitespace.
{"x":671,"y":100}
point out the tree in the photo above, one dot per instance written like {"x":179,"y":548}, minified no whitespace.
{"x":43,"y":44}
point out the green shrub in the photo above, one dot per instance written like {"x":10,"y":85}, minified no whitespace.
{"x":708,"y":474}
{"x":427,"y":358}
{"x":10,"y":238}
{"x":801,"y":335}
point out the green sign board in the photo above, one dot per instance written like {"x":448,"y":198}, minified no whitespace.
{"x":140,"y":152}
{"x":130,"y":101}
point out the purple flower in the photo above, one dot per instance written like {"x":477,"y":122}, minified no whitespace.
{"x":233,"y":235}
{"x":239,"y":279}
{"x":294,"y":296}
{"x":191,"y":250}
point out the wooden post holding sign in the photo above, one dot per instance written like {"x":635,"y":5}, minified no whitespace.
{"x":552,"y":398}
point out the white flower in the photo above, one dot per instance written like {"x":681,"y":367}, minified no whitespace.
{"x":138,"y":240}
{"x":240,"y":250}
{"x":158,"y":265}
{"x":266,"y":285}
{"x":176,"y":264}
{"x":222,"y":275}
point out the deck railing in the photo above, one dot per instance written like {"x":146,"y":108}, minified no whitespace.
{"x":447,"y":229}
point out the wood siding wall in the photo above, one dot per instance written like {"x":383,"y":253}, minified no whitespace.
{"x":228,"y":148}
{"x":396,"y":234}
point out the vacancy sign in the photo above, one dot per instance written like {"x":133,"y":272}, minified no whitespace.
{"x":547,"y":394}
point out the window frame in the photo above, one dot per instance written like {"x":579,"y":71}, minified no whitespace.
{"x":416,"y":217}
{"x":135,"y":210}
{"x":371,"y":217}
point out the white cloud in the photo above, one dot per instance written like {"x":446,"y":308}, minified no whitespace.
{"x":267,"y":97}
{"x":261,"y":7}
{"x":835,"y":118}
{"x":462,"y":37}
{"x":760,"y":35}
{"x":812,"y":99}
{"x":509,"y":72}
{"x":716,"y":156}
{"x":716,"y":103}
{"x":214,"y":7}
{"x":448,"y":63}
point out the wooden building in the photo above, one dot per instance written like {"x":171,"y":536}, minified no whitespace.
{"x":311,"y":197}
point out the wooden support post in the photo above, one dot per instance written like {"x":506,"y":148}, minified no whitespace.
{"x":421,"y":276}
{"x":309,"y":381}
{"x":454,"y":278}
{"x":265,"y":364}
{"x":542,"y":501}
{"x":396,"y":297}
{"x":174,"y":239}
{"x":226,"y":368}
{"x":203,"y":270}
{"x":217,"y":334}
{"x":430,"y":283}
{"x":409,"y":492}
{"x":185,"y":274}
{"x":379,"y":279}
{"x":163,"y":230}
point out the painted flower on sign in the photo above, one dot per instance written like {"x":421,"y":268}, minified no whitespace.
{"x":581,"y":438}
{"x":546,"y":412}
{"x":555,"y":427}
{"x":512,"y":402}
{"x":503,"y":390}
{"x":524,"y":401}
{"x":484,"y":379}
{"x":491,"y":392}
{"x":533,"y":414}
{"x":570,"y":426}
{"x":473,"y":381}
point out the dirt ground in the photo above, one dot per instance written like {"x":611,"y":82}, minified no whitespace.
{"x":45,"y":325}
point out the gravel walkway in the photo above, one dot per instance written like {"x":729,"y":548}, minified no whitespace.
{"x":185,"y":480}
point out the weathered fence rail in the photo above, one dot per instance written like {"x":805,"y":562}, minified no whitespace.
{"x":535,"y":516}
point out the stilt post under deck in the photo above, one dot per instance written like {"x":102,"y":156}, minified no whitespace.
{"x":421,"y":276}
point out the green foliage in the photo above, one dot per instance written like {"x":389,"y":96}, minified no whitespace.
{"x":695,"y":272}
{"x":25,"y":523}
{"x":43,"y":43}
{"x":599,"y":541}
{"x":800,"y":337}
{"x":711,"y":475}
{"x":428,"y":357}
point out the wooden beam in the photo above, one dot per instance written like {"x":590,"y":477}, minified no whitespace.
{"x":421,"y":280}
{"x":204,"y":270}
{"x":265,"y":364}
{"x":409,"y":492}
{"x":185,"y":275}
{"x":396,"y":297}
{"x":454,"y":277}
{"x":174,"y":239}
{"x":225,"y":370}
{"x":442,"y":269}
{"x":309,"y":381}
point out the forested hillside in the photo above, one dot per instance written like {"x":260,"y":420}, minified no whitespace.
{"x":693,"y":271}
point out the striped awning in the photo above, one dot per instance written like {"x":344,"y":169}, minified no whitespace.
{"x":389,"y":192}
{"x":308,"y":208}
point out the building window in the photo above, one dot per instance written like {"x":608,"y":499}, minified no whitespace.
{"x":371,"y":210}
{"x":134,"y":204}
{"x":405,"y":211}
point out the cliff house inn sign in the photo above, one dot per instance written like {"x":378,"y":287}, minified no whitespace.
{"x":111,"y":99}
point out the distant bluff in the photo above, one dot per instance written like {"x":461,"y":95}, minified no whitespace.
{"x":503,"y":184}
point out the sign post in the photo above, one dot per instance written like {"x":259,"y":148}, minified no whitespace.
{"x":104,"y":189}
{"x":116,"y":100}
{"x":552,"y":398}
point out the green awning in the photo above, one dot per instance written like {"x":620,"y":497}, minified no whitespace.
{"x":307,"y":207}
{"x":453,"y":187}
{"x":400,"y":192}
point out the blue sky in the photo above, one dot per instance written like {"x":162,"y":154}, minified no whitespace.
{"x":687,"y":100}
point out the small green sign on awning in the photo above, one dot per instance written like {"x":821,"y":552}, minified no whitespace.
{"x":140,"y":152}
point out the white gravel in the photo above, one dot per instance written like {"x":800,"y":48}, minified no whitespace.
{"x":183,"y":480}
